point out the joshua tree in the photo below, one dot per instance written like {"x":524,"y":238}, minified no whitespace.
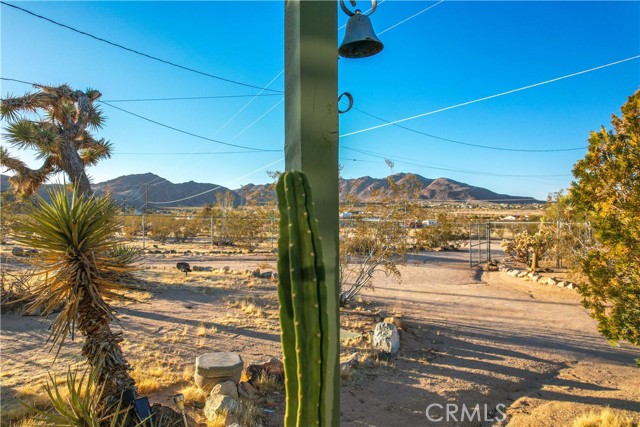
{"x":56,"y":122}
{"x":80,"y":263}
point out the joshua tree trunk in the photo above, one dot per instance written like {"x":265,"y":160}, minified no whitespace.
{"x":72,"y":164}
{"x":102,"y":349}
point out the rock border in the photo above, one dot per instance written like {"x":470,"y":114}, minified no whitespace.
{"x":533,"y":276}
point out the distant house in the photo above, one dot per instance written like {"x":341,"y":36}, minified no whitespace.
{"x":429,"y":222}
{"x":344,"y":215}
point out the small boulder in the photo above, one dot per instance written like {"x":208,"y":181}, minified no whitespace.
{"x":218,"y":404}
{"x":227,"y":388}
{"x":512,"y":272}
{"x":215,"y":368}
{"x":551,"y":282}
{"x":17,"y":251}
{"x":255,"y":273}
{"x":274,"y":367}
{"x":386,"y":338}
{"x":266,"y":275}
{"x":246,"y":390}
{"x":562,"y":284}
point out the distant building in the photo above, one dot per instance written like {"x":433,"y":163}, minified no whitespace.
{"x":429,"y":222}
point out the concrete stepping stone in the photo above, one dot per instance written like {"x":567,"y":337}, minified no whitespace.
{"x":217,"y":367}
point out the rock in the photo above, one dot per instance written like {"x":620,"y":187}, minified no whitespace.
{"x":186,"y":253}
{"x":274,"y":367}
{"x":521,"y":274}
{"x":173,"y":251}
{"x":537,"y":278}
{"x":246,"y":390}
{"x":347,"y":363}
{"x":562,"y":284}
{"x":17,"y":251}
{"x":386,"y":338}
{"x":572,"y":286}
{"x":266,"y":275}
{"x":255,"y":273}
{"x":218,"y":404}
{"x":215,"y":368}
{"x":231,"y":420}
{"x":492,"y":267}
{"x":226,"y":269}
{"x":199,"y":268}
{"x":551,"y":282}
{"x":512,"y":272}
{"x":227,"y":388}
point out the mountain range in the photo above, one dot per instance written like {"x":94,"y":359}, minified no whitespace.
{"x":132,"y":190}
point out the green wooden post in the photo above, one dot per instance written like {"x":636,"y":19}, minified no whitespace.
{"x":311,"y":128}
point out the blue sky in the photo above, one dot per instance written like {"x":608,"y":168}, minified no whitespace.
{"x":451,"y":54}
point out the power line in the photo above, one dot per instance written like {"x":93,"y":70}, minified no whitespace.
{"x":488,"y":147}
{"x":137,"y":52}
{"x":188,"y":98}
{"x":219,"y":186}
{"x":186,"y":132}
{"x":154,"y":153}
{"x":468,"y":171}
{"x":410,"y":18}
{"x":491,"y":96}
{"x":16,"y":80}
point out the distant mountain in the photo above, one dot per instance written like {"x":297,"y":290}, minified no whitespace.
{"x":130,"y":189}
{"x":367,"y":189}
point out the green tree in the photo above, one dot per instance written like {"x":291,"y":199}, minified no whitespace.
{"x":79,"y":271}
{"x":56,"y":122}
{"x":607,"y":192}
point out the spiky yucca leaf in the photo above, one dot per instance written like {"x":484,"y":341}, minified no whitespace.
{"x":74,"y":239}
{"x":78,"y":404}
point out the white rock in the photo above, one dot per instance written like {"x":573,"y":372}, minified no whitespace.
{"x":218,"y":404}
{"x":227,"y":388}
{"x":386,"y":338}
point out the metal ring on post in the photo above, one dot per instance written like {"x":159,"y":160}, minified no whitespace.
{"x":350,"y":98}
{"x":345,"y":9}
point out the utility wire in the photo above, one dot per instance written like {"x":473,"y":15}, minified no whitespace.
{"x":411,"y":17}
{"x":137,"y":52}
{"x":219,"y":186}
{"x":188,"y":97}
{"x":491,"y":96}
{"x":488,"y":147}
{"x":156,"y":153}
{"x":472,"y":172}
{"x":186,"y":132}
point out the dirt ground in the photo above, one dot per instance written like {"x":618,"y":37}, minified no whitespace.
{"x":473,"y":338}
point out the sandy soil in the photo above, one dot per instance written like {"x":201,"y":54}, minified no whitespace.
{"x":473,"y":338}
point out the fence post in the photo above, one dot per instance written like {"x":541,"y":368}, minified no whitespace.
{"x":488,"y":242}
{"x":479,"y":243}
{"x":470,"y":253}
{"x":144,"y":232}
{"x":558,"y":264}
{"x":212,"y":230}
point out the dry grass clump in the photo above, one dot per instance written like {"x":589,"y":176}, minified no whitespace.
{"x":152,"y":375}
{"x":605,"y":418}
{"x":267,"y":383}
{"x":249,"y":414}
{"x":193,"y":394}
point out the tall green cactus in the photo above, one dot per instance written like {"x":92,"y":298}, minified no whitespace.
{"x":304,"y":312}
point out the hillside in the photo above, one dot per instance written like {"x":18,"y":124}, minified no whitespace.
{"x":130,"y":189}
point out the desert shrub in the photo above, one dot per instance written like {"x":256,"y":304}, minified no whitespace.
{"x":243,"y":228}
{"x":605,"y":418}
{"x":131,"y":226}
{"x":606,"y":193}
{"x":368,"y":248}
{"x":76,"y":403}
{"x":528,"y":248}
{"x":447,"y":234}
{"x":159,"y":227}
{"x":186,"y":229}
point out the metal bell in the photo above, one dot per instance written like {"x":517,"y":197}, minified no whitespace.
{"x":360,"y":41}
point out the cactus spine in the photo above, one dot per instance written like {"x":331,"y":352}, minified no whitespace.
{"x":304,"y":313}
